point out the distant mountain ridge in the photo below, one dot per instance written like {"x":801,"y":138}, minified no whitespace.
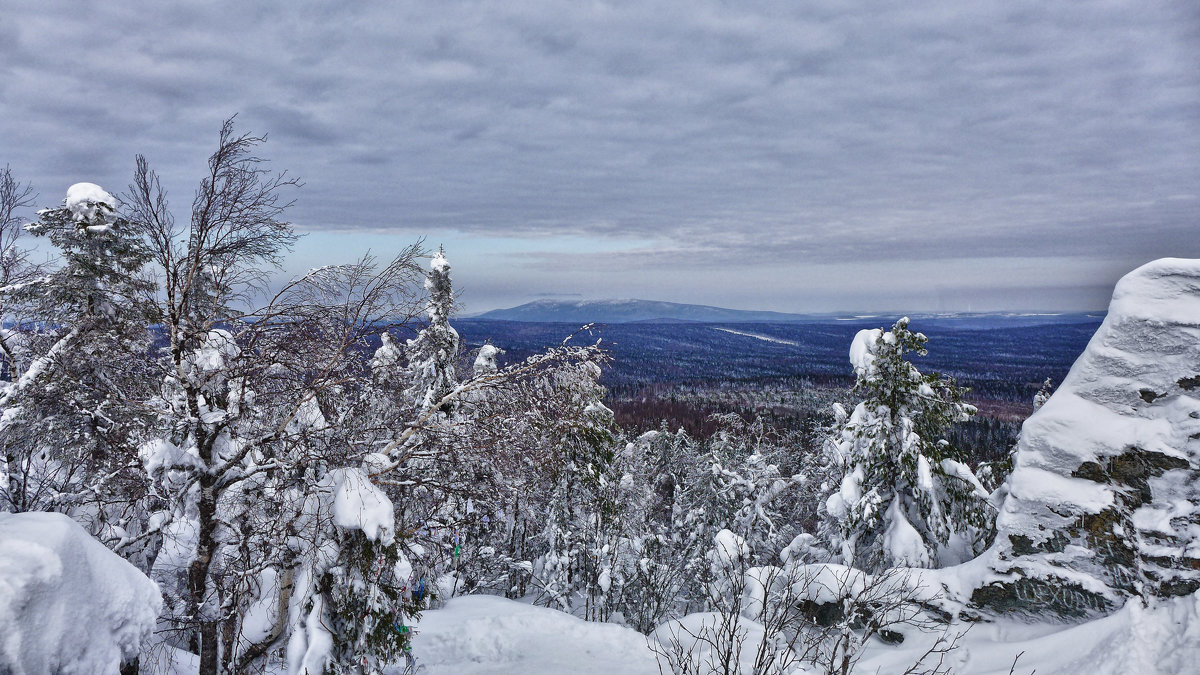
{"x":657,"y":311}
{"x":631,"y":310}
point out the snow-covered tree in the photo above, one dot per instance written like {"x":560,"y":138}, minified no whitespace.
{"x":431,"y":354}
{"x":253,"y":409}
{"x":65,"y":420}
{"x":907,"y":497}
{"x":485,"y":360}
{"x":1043,"y":395}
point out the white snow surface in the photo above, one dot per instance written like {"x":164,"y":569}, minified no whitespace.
{"x":485,"y":361}
{"x":827,"y":582}
{"x":1163,"y":639}
{"x":758,"y":336}
{"x":488,"y":635}
{"x":902,"y":541}
{"x":67,"y":604}
{"x":728,"y":549}
{"x":439,"y":263}
{"x":359,"y":505}
{"x":862,"y":350}
{"x":83,"y":200}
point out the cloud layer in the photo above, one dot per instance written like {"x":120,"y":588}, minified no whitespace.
{"x":681,"y":135}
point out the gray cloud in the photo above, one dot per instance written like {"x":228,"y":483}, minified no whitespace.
{"x":693,"y":129}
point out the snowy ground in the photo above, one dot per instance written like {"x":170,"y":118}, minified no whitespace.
{"x":484,"y":635}
{"x":479,"y":635}
{"x":1163,"y":641}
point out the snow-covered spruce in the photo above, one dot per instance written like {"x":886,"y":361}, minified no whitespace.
{"x":352,"y":605}
{"x":67,"y":604}
{"x":432,"y":352}
{"x":82,"y":340}
{"x":906,"y":497}
{"x":1104,"y":495}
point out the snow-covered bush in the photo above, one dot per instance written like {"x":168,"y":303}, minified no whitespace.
{"x":352,"y":609}
{"x":67,"y":604}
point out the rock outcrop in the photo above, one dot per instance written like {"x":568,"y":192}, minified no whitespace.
{"x":1104,"y":499}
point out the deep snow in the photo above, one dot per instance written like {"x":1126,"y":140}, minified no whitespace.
{"x":67,"y":603}
{"x":478,"y":635}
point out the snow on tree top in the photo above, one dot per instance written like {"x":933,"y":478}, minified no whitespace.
{"x":83,"y":200}
{"x":439,"y":263}
{"x":359,"y":505}
{"x":862,"y":350}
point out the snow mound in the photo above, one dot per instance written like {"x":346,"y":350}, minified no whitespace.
{"x":84,"y":201}
{"x":694,"y":634}
{"x":828,"y":582}
{"x":1160,"y":639}
{"x":68,"y":604}
{"x":1104,"y":498}
{"x":483,"y":634}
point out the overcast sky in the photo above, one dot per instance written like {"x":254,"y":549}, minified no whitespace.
{"x":797,"y":156}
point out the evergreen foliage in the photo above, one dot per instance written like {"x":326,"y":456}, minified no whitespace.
{"x":907,"y":497}
{"x":432,"y":354}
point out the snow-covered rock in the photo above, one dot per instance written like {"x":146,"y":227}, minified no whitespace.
{"x":68,"y":604}
{"x":1104,"y":498}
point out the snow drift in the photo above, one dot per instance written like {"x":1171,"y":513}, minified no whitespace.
{"x":67,"y":604}
{"x":481,"y":634}
{"x":1104,"y":499}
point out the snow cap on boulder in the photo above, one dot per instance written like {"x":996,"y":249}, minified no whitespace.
{"x":1104,"y":498}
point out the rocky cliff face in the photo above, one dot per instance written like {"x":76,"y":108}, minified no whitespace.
{"x":1104,"y":498}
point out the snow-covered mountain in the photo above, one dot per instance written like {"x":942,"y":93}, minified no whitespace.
{"x":630,"y":310}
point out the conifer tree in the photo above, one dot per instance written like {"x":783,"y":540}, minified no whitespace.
{"x":64,"y":415}
{"x":1043,"y":395}
{"x":431,"y":354}
{"x":907,"y":498}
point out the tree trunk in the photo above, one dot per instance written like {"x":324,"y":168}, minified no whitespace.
{"x":198,"y":577}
